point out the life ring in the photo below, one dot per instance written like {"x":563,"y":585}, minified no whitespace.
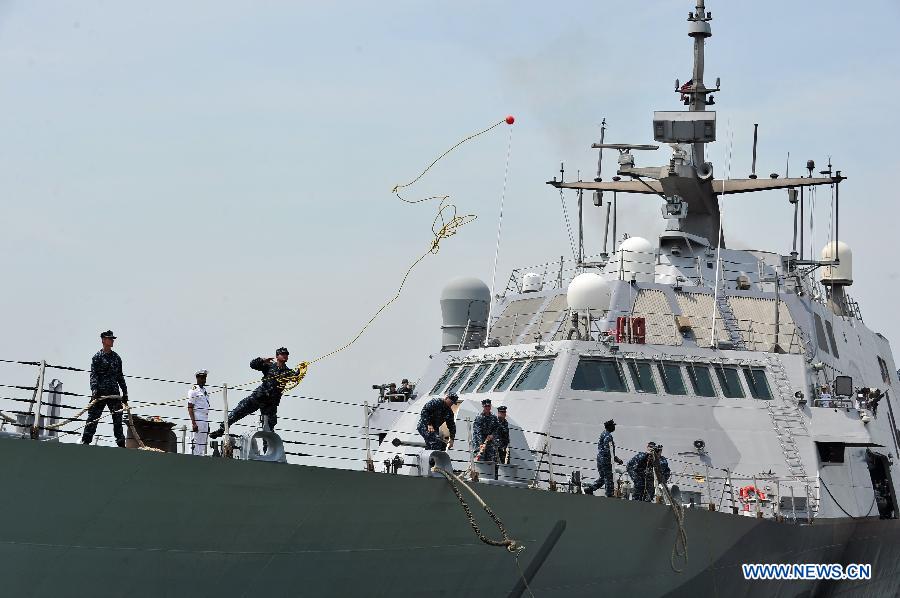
{"x":750,"y":492}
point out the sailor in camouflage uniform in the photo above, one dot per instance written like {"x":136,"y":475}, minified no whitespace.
{"x":502,"y":435}
{"x":266,"y":397}
{"x":434,"y":414}
{"x":106,"y":380}
{"x":640,"y":468}
{"x":606,"y":453}
{"x":484,"y":433}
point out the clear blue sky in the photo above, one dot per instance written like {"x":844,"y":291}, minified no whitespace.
{"x":212,"y":179}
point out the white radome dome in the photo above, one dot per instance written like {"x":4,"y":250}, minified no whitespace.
{"x":637,"y":260}
{"x":589,"y":291}
{"x":637,"y":245}
{"x":843,"y":272}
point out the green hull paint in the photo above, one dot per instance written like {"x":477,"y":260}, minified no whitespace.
{"x":100,"y":521}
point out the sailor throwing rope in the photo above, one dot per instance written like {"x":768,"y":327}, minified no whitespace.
{"x":266,"y":397}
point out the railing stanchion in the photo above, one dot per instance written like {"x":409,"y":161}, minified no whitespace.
{"x":38,"y":400}
{"x":756,"y":494}
{"x":471,"y":450}
{"x":709,"y":499}
{"x":183,"y":439}
{"x":370,"y":464}
{"x":552,"y":480}
{"x":794,"y":506}
{"x":226,"y":444}
{"x":808,"y":505}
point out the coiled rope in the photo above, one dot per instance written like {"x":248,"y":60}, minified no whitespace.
{"x":679,"y":549}
{"x":125,"y":408}
{"x":512,"y":546}
{"x":455,"y":481}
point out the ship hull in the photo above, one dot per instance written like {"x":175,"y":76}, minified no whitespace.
{"x":109,"y":522}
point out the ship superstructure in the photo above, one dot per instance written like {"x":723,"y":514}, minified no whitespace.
{"x":750,"y":367}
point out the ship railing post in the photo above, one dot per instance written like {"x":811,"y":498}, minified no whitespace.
{"x":709,"y":499}
{"x":183,"y":429}
{"x":370,"y":464}
{"x":756,"y":494}
{"x":551,"y":483}
{"x":808,"y":505}
{"x":776,"y":510}
{"x":38,"y":400}
{"x":794,"y":506}
{"x":473,"y":475}
{"x":226,"y":442}
{"x":818,"y":492}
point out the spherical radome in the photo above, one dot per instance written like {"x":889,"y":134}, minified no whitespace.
{"x":636,"y":245}
{"x":589,"y":291}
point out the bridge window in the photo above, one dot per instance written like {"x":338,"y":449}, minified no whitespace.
{"x":459,"y":379}
{"x":757,"y":383}
{"x":820,"y":334}
{"x":642,"y":376}
{"x":834,"y":349}
{"x":730,"y":382}
{"x":508,"y":376}
{"x":535,"y":376}
{"x":671,"y":378}
{"x":492,"y":376}
{"x":442,"y":381}
{"x":475,"y":378}
{"x":596,"y":374}
{"x":885,"y":372}
{"x":700,"y":380}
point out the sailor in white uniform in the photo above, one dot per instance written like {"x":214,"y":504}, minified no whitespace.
{"x":198,"y":409}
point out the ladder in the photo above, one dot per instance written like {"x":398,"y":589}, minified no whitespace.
{"x":731,"y":323}
{"x":786,"y":418}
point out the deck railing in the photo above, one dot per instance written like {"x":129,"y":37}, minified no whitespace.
{"x":540,"y":460}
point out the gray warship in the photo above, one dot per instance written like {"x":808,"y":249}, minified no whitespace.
{"x":773,"y":400}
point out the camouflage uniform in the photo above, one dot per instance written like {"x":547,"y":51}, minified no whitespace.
{"x":606,"y":447}
{"x":106,"y":379}
{"x":641,"y":473}
{"x":436,"y":413}
{"x":502,"y":439}
{"x":266,"y":396}
{"x":486,"y":424}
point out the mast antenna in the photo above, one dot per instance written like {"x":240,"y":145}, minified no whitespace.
{"x":598,"y":195}
{"x":755,"y":140}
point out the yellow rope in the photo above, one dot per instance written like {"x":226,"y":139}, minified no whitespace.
{"x":446,"y":223}
{"x":438,"y":159}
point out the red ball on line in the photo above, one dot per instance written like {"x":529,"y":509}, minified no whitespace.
{"x":510,"y":119}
